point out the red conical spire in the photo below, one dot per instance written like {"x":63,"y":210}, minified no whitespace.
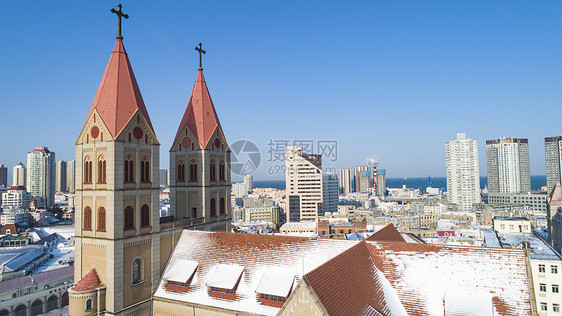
{"x":118,"y":96}
{"x":200,"y":115}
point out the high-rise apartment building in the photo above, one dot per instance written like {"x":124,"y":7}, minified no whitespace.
{"x":381,"y":182}
{"x":463,"y":175}
{"x":330,"y":196}
{"x":303,"y":180}
{"x":61,"y":181}
{"x":164,"y":179}
{"x":362,"y":178}
{"x":70,"y":175}
{"x":507,"y":164}
{"x":3,"y":176}
{"x":41,"y":168}
{"x":18,"y":176}
{"x":345,"y":181}
{"x":553,"y":155}
{"x":248,"y":182}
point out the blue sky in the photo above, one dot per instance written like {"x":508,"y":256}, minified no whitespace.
{"x":489,"y":69}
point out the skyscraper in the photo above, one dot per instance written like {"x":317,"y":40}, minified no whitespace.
{"x":19,"y":175}
{"x":61,"y":181}
{"x":463,"y":175}
{"x":3,"y":176}
{"x":70,"y":175}
{"x":41,"y":176}
{"x":507,"y":164}
{"x":553,"y":155}
{"x":345,"y":181}
{"x":381,"y":182}
{"x":330,"y":196}
{"x":164,"y":179}
{"x":303,"y":180}
{"x":249,"y":182}
{"x":360,"y":172}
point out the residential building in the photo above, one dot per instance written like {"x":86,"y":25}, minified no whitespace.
{"x":553,"y":159}
{"x":303,"y":180}
{"x":507,"y":164}
{"x":239,"y":190}
{"x":344,"y":181}
{"x":334,"y":228}
{"x":360,"y":172}
{"x":512,"y":225}
{"x":249,"y":182}
{"x":164,"y":179}
{"x":266,"y":214}
{"x":61,"y":180}
{"x":554,"y":208}
{"x":330,"y":196}
{"x":556,"y":231}
{"x":41,"y":175}
{"x":380,"y":182}
{"x":16,"y":196}
{"x":70,"y":176}
{"x":19,"y":175}
{"x":13,"y":216}
{"x":463,"y":175}
{"x":534,"y":201}
{"x":3,"y":175}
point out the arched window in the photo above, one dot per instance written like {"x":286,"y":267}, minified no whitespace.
{"x":213,"y":207}
{"x":129,"y":171}
{"x":181,"y":171}
{"x":145,"y":170}
{"x":89,"y":305}
{"x":64,"y":299}
{"x":20,"y":310}
{"x":212,"y":169}
{"x":222,"y":171}
{"x":193,"y":171}
{"x":52,"y":303}
{"x":137,"y":270}
{"x":36,"y":308}
{"x":87,"y":170}
{"x":101,"y":219}
{"x":129,"y":218}
{"x":222,"y":206}
{"x":145,"y":216}
{"x":87,"y":218}
{"x":101,"y":170}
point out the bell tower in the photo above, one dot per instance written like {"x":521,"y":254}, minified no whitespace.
{"x":117,"y":249}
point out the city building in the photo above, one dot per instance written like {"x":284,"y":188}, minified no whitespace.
{"x":330,"y":196}
{"x":303,"y":180}
{"x":339,"y":228}
{"x":553,"y":159}
{"x":19,"y":175}
{"x":249,"y":182}
{"x":267,"y":214}
{"x":16,"y":196}
{"x":554,"y":208}
{"x":507,"y":164}
{"x":512,"y":225}
{"x":41,"y":176}
{"x":534,"y":201}
{"x":380,"y":182}
{"x":164,"y":179}
{"x":344,"y":181}
{"x":361,"y":174}
{"x":61,"y":180}
{"x":13,"y":216}
{"x":239,"y":190}
{"x":463,"y":175}
{"x":70,"y":176}
{"x":3,"y":176}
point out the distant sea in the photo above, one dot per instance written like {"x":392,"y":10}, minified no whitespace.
{"x":440,"y":182}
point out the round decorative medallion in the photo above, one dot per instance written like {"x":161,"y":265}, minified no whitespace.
{"x":217,"y":143}
{"x":95,"y":132}
{"x":137,"y":132}
{"x":186,"y":142}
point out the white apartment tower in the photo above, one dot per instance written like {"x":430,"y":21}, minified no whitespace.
{"x":41,"y":175}
{"x":463,"y":176}
{"x":70,"y":175}
{"x":18,"y":176}
{"x":553,"y":155}
{"x":303,"y":178}
{"x":507,"y":163}
{"x":362,"y":178}
{"x":345,"y":181}
{"x":248,"y":182}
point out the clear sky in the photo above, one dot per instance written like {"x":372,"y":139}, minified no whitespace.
{"x":489,"y":68}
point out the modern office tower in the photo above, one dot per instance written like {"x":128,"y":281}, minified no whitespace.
{"x":463,"y":175}
{"x":303,"y":180}
{"x":248,"y":182}
{"x":3,"y":176}
{"x":70,"y":175}
{"x":61,"y":181}
{"x":381,"y":182}
{"x":553,"y":155}
{"x":345,"y":181}
{"x":164,"y":180}
{"x":358,"y":173}
{"x":507,"y":163}
{"x":330,"y":194}
{"x":41,"y":175}
{"x":18,"y":176}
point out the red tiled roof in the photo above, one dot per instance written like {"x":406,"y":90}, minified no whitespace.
{"x":200,"y":115}
{"x":44,"y":150}
{"x":118,"y":96}
{"x":556,"y":194}
{"x":17,"y":188}
{"x":13,"y":229}
{"x":89,"y":282}
{"x":387,"y":233}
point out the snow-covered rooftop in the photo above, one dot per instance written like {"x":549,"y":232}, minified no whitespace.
{"x":539,"y":250}
{"x":225,"y":276}
{"x":181,"y":271}
{"x":277,"y":282}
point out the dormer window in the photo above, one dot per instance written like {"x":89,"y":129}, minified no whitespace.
{"x":275,"y":287}
{"x":224,"y":280}
{"x":180,"y":275}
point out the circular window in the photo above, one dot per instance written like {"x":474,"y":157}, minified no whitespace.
{"x":186,"y":143}
{"x":95,"y":132}
{"x":217,"y":143}
{"x":137,"y":132}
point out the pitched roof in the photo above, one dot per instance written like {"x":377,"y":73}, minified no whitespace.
{"x":556,"y":194}
{"x":36,"y":279}
{"x":89,"y":282}
{"x":118,"y":96}
{"x":44,"y":150}
{"x":200,"y":115}
{"x":16,"y":188}
{"x":14,"y":229}
{"x":387,"y":233}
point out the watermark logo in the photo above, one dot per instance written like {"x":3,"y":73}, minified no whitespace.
{"x":245,"y":157}
{"x":328,"y":149}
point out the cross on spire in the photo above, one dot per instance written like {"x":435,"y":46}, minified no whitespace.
{"x":201,"y":51}
{"x":119,"y":15}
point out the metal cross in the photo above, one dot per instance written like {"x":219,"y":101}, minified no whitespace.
{"x":119,"y":15}
{"x":201,"y":51}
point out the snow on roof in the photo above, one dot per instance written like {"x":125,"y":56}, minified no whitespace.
{"x":491,"y":238}
{"x":277,"y":282}
{"x":539,"y":249}
{"x":299,"y":224}
{"x":225,"y":276}
{"x":181,"y":271}
{"x":462,"y":303}
{"x":256,"y":253}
